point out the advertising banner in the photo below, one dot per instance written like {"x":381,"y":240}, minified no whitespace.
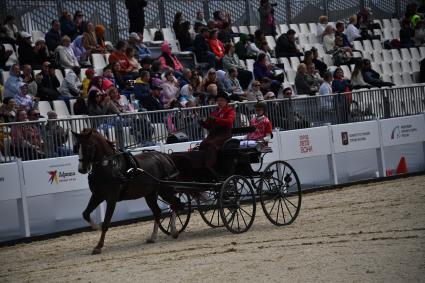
{"x":403,"y":130}
{"x":53,"y":176}
{"x":9,"y":182}
{"x":305,"y":143}
{"x":179,"y":147}
{"x":355,"y":136}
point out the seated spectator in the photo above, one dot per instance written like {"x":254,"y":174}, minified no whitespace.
{"x":141,"y":86}
{"x":94,"y":106}
{"x":254,"y":93}
{"x":110,"y":102}
{"x":210,"y":78}
{"x":340,"y":32}
{"x":90,"y":40}
{"x":80,"y":106}
{"x":79,"y":21}
{"x":225,"y":34}
{"x":342,"y":55}
{"x":153,"y":101}
{"x":53,"y":36}
{"x":185,"y":79}
{"x":27,"y":142}
{"x":264,"y":48}
{"x":169,"y":60}
{"x":328,"y":38}
{"x":184,"y":37}
{"x":100,"y":37}
{"x":130,"y":52}
{"x":216,"y":45}
{"x":196,"y":82}
{"x":340,"y":84}
{"x":199,"y":21}
{"x":242,"y":48}
{"x":263,"y":70}
{"x":419,"y":34}
{"x":285,"y":45}
{"x":23,"y":99}
{"x":96,"y":85}
{"x":406,"y":34}
{"x":4,"y":57}
{"x":65,"y":54}
{"x":71,"y":85}
{"x":186,"y":96}
{"x":79,"y":50}
{"x":262,"y":124}
{"x":156,"y":69}
{"x":28,"y":78}
{"x":321,"y":26}
{"x":56,"y":137}
{"x":86,"y":82}
{"x":201,"y":48}
{"x":353,"y":32}
{"x":11,"y":86}
{"x":108,"y":77}
{"x":326,"y":89}
{"x":10,"y":28}
{"x":372,"y":77}
{"x":313,"y":76}
{"x":25,"y":51}
{"x":231,"y":60}
{"x":322,"y":67}
{"x":357,"y":76}
{"x":212,"y":92}
{"x":266,"y":88}
{"x":119,"y":56}
{"x":41,"y":54}
{"x":170,"y":89}
{"x":136,"y":41}
{"x":68,"y":27}
{"x":259,"y":37}
{"x":47,"y":88}
{"x":8,"y":110}
{"x":221,"y":19}
{"x":232,"y":85}
{"x":303,"y":85}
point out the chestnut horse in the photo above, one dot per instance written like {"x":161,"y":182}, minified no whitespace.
{"x":108,"y":180}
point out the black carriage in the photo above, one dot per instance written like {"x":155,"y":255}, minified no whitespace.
{"x":229,"y":199}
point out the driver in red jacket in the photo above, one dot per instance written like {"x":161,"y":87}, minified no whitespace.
{"x":219,"y":126}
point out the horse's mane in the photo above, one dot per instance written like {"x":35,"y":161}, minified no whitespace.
{"x":91,"y":131}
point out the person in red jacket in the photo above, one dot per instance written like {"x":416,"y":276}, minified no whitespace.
{"x":219,"y":126}
{"x":217,"y":47}
{"x":262,"y":124}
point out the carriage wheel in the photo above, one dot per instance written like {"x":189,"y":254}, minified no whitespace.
{"x":182,"y":217}
{"x":208,"y":208}
{"x":280,"y":193}
{"x":237,"y":204}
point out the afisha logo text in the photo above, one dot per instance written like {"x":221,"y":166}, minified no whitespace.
{"x":61,"y":177}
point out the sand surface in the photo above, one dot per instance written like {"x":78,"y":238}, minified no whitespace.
{"x":372,"y":232}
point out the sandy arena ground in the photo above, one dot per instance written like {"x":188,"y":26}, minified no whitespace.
{"x":372,"y":232}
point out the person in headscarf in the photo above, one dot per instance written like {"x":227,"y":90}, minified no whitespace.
{"x":241,"y":48}
{"x":78,"y":48}
{"x":168,"y":60}
{"x":100,"y":36}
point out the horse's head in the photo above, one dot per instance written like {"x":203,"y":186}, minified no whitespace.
{"x":91,"y":147}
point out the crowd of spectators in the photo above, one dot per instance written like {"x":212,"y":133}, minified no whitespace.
{"x":156,"y":83}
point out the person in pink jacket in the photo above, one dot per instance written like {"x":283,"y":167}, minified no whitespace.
{"x":168,"y":60}
{"x":170,"y":89}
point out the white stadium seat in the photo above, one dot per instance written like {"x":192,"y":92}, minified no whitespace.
{"x":367,"y":44}
{"x":243,"y":29}
{"x":304,"y":28}
{"x":283,"y":28}
{"x":44,"y":107}
{"x":303,"y":39}
{"x":395,"y":67}
{"x":395,"y":54}
{"x":36,"y":35}
{"x":295,"y":62}
{"x":312,"y":38}
{"x":271,"y":41}
{"x":386,"y":69}
{"x":235,"y":29}
{"x":377,"y":56}
{"x":358,"y":45}
{"x":376,"y":67}
{"x":422,"y":51}
{"x":60,"y":108}
{"x":295,"y":28}
{"x":313,"y":28}
{"x":59,"y":75}
{"x":387,"y":34}
{"x":405,"y":54}
{"x":386,"y":24}
{"x":386,"y":54}
{"x":377,"y":45}
{"x":397,"y":80}
{"x":250,"y":64}
{"x":347,"y":72}
{"x":405,"y":67}
{"x":285,"y":62}
{"x":415,"y":53}
{"x":291,"y":75}
{"x":327,"y":59}
{"x":407,"y":78}
{"x":252,"y":29}
{"x":395,"y":23}
{"x":98,"y":61}
{"x":415,"y":66}
{"x":71,"y":106}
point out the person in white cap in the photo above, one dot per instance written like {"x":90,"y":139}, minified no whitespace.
{"x":25,"y":51}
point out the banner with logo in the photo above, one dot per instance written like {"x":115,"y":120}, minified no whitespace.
{"x":403,"y":130}
{"x":179,"y":147}
{"x":53,"y":176}
{"x":355,"y":136}
{"x":305,"y":143}
{"x":9,"y":182}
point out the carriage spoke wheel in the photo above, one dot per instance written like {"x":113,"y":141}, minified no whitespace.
{"x":237,"y":204}
{"x":182,"y":216}
{"x":208,"y":208}
{"x":280,"y":193}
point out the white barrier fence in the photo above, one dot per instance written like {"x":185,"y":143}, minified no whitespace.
{"x":46,"y":196}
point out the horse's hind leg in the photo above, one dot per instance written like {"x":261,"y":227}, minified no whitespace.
{"x":151,"y":201}
{"x":91,"y":206}
{"x":110,"y":207}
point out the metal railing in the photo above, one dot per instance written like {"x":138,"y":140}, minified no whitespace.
{"x":53,"y":138}
{"x":37,"y":15}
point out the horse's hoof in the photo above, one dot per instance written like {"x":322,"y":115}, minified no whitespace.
{"x":175,"y":235}
{"x":150,"y":241}
{"x":96,"y":251}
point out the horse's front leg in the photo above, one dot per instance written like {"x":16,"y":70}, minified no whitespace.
{"x":110,"y":207}
{"x":151,"y":201}
{"x":94,"y":201}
